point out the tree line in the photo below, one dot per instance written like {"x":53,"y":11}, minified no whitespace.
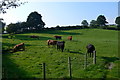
{"x":34,"y":21}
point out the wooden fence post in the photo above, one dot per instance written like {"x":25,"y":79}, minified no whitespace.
{"x":44,"y":72}
{"x":69,"y":67}
{"x":85,"y":62}
{"x":94,"y":57}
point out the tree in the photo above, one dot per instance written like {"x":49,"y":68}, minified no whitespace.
{"x":93,"y":23}
{"x":24,"y":26}
{"x":101,"y":20}
{"x":117,"y":21}
{"x":84,"y":23}
{"x":11,"y":28}
{"x":6,"y":4}
{"x":57,"y":26}
{"x":34,"y":21}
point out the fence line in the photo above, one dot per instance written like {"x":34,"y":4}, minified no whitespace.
{"x":44,"y":67}
{"x":69,"y":67}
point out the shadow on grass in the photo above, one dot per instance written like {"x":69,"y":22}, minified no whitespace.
{"x":76,"y":52}
{"x":61,"y":32}
{"x":12,"y":70}
{"x":110,"y":59}
{"x":5,"y":36}
{"x":57,"y":32}
{"x":24,"y":37}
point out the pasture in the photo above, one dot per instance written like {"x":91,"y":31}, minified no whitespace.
{"x":27,"y":64}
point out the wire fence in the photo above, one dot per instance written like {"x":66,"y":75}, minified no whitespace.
{"x":62,"y":69}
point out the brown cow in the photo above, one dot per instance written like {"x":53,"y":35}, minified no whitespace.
{"x":51,"y":42}
{"x":58,"y":37}
{"x":34,"y":36}
{"x":19,"y":47}
{"x":70,"y":38}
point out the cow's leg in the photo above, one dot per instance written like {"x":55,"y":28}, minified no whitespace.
{"x":13,"y":50}
{"x":23,"y":48}
{"x":57,"y":47}
{"x":48,"y":45}
{"x":87,"y":53}
{"x":62,"y":47}
{"x":90,"y":54}
{"x":16,"y":49}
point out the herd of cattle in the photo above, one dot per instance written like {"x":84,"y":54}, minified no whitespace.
{"x":60,"y":45}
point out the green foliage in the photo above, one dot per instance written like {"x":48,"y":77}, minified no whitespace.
{"x":84,"y":23}
{"x":34,"y":21}
{"x":11,"y":28}
{"x":14,"y":28}
{"x":117,"y":21}
{"x":93,"y":24}
{"x":24,"y":25}
{"x":28,"y":63}
{"x":57,"y":26}
{"x":101,"y":20}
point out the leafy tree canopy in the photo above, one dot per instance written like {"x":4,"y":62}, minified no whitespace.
{"x":12,"y":28}
{"x":101,"y":20}
{"x":117,"y":21}
{"x":6,"y":4}
{"x":93,"y":23}
{"x":84,"y":23}
{"x":34,"y":21}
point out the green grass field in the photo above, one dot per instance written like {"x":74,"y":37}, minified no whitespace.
{"x":27,"y":64}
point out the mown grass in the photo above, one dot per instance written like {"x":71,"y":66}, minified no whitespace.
{"x":28,"y":63}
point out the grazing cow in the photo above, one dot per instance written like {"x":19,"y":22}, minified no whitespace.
{"x":33,"y":36}
{"x":19,"y":47}
{"x":58,"y":37}
{"x":70,"y":38}
{"x":60,"y":45}
{"x":90,"y":49}
{"x":51,"y":42}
